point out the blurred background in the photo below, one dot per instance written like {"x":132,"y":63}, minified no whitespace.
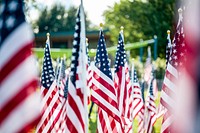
{"x":142,"y":20}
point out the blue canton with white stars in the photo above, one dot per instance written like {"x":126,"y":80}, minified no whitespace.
{"x":120,"y":54}
{"x":151,"y":87}
{"x":88,"y":55}
{"x":47,"y":70}
{"x":75,"y":50}
{"x":135,"y":78}
{"x":102,"y":61}
{"x":11,"y":16}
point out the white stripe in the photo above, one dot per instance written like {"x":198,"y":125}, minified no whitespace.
{"x":74,"y":119}
{"x":102,"y":75}
{"x":170,"y":85}
{"x":15,"y":81}
{"x":23,"y":114}
{"x":105,"y":103}
{"x":172,"y":70}
{"x":167,"y":99}
{"x":14,"y":42}
{"x":46,"y":113}
{"x":49,"y":93}
{"x":50,"y":122}
{"x":72,"y":92}
{"x":107,"y":121}
{"x":121,"y":95}
{"x":167,"y":123}
{"x":105,"y":90}
{"x":138,"y":107}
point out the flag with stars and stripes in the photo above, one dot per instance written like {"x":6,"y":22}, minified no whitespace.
{"x":19,"y":102}
{"x":51,"y":103}
{"x":123,"y":85}
{"x":151,"y":108}
{"x":168,"y":47}
{"x":103,"y":90}
{"x":148,"y":66}
{"x":138,"y":103}
{"x":76,"y":113}
{"x":169,"y":88}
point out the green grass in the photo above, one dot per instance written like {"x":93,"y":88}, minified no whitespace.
{"x":93,"y":120}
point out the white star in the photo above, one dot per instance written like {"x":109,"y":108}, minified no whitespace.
{"x":76,"y":27}
{"x":174,"y":51}
{"x":75,"y":35}
{"x":101,"y":49}
{"x":183,"y":44}
{"x":181,"y":54}
{"x":74,"y":42}
{"x":73,"y":50}
{"x":175,"y":57}
{"x":77,"y":19}
{"x":10,"y":21}
{"x":12,"y":6}
{"x":176,"y":64}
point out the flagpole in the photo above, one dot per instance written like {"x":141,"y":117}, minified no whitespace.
{"x":84,"y":62}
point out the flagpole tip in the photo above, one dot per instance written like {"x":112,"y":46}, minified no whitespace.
{"x":122,"y":28}
{"x":48,"y":34}
{"x":86,"y":40}
{"x":101,"y":25}
{"x":180,"y":10}
{"x":168,"y":32}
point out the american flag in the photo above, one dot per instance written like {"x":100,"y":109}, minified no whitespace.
{"x":19,"y":101}
{"x":103,"y":91}
{"x":169,"y":88}
{"x":61,"y":124}
{"x":106,"y":123}
{"x":168,"y":47}
{"x":151,"y":109}
{"x":123,"y":85}
{"x":148,"y":66}
{"x":75,"y":119}
{"x":51,"y":103}
{"x":138,"y":103}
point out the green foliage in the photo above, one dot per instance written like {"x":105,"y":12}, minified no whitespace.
{"x":57,"y":19}
{"x":142,"y":20}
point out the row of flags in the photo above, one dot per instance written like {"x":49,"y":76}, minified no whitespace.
{"x":61,"y":103}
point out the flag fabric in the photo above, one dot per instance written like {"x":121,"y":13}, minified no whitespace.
{"x":168,"y":47}
{"x":151,"y":109}
{"x":123,"y":85}
{"x":19,"y":101}
{"x":148,"y":66}
{"x":76,"y":113}
{"x":169,"y":88}
{"x":51,"y":103}
{"x":61,"y":124}
{"x":106,"y":123}
{"x":138,"y":103}
{"x":103,"y":90}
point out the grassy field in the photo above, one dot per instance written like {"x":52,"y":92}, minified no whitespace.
{"x":93,"y":120}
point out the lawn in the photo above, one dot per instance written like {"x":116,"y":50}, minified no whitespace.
{"x":93,"y":118}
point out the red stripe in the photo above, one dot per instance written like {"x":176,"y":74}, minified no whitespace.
{"x":74,"y":106}
{"x":16,"y":60}
{"x":105,"y":96}
{"x":25,"y":92}
{"x":109,"y":111}
{"x":30,"y":127}
{"x":104,"y":83}
{"x":70,"y":125}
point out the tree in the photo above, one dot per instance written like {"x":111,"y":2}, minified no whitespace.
{"x":57,"y":19}
{"x":142,"y":20}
